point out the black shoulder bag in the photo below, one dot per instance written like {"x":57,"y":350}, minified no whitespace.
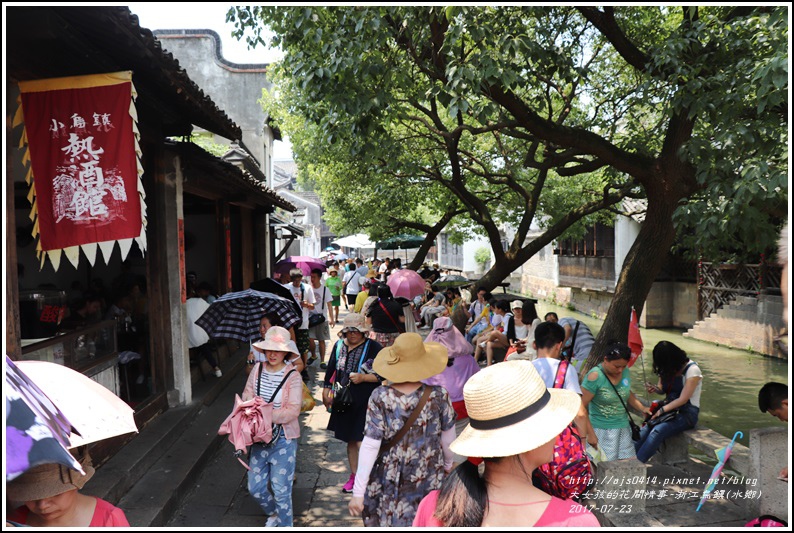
{"x":276,"y":427}
{"x":343,"y":396}
{"x":315,"y":319}
{"x":635,"y":429}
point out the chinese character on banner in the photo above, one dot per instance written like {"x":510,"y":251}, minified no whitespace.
{"x":82,"y":144}
{"x":635,"y":340}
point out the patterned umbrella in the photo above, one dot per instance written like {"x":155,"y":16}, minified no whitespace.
{"x":236,"y":315}
{"x":37,"y":432}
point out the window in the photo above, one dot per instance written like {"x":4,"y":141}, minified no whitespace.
{"x":599,"y":241}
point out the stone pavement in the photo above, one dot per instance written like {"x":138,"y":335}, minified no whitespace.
{"x":220,"y":497}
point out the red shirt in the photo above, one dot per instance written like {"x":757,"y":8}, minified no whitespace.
{"x":558,"y":513}
{"x":105,"y":515}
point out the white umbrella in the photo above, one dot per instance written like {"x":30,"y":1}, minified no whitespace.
{"x":359,"y":240}
{"x":92,"y":409}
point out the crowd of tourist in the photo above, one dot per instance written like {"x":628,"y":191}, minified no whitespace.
{"x":457,"y":429}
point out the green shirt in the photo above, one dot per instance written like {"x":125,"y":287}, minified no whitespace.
{"x":334,"y":285}
{"x":606,"y":411}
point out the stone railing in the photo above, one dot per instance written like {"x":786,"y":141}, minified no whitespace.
{"x":760,"y":464}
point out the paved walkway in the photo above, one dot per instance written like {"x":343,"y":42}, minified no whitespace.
{"x":221,"y":496}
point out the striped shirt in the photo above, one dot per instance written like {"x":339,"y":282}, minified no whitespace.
{"x":268,"y":382}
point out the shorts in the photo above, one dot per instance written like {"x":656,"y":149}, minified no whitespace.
{"x":351,"y":299}
{"x":335,"y":301}
{"x":302,"y":340}
{"x":320,"y":332}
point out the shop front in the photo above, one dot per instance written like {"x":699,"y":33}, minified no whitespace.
{"x":114,"y":310}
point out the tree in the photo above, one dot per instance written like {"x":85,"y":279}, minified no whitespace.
{"x":685,"y":106}
{"x":399,"y":122}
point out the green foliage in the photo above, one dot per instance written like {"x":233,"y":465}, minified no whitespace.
{"x":408,"y":112}
{"x":206,"y":141}
{"x":482,"y":255}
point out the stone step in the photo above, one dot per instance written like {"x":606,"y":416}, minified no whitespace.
{"x":148,"y":477}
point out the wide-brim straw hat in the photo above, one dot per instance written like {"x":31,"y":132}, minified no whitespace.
{"x":410,"y":359}
{"x":277,"y":339}
{"x":511,"y":411}
{"x":355,"y":321}
{"x":48,"y":480}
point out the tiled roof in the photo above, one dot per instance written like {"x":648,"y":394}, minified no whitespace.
{"x":56,"y":41}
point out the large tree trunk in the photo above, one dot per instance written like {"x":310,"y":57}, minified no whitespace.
{"x":498,"y":272}
{"x":640,"y":268}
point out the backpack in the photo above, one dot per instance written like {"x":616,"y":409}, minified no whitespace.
{"x":766,"y":520}
{"x":569,"y":474}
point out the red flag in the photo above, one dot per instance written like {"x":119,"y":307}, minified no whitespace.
{"x":635,"y":340}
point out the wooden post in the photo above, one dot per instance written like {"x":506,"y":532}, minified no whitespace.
{"x":223,"y":224}
{"x":13,"y":332}
{"x":247,"y":247}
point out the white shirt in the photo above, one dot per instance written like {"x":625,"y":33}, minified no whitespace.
{"x":694,"y":372}
{"x":308,"y":297}
{"x":321,"y":293}
{"x":353,"y":280}
{"x":547,"y":368}
{"x":196,"y":336}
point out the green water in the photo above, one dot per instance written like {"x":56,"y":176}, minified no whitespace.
{"x":731,"y":378}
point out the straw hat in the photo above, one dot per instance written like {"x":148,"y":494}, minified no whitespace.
{"x":411,"y":359}
{"x":277,"y":339}
{"x":332,"y":269}
{"x":371,"y":274}
{"x":48,"y":480}
{"x":511,"y":411}
{"x":354,"y":321}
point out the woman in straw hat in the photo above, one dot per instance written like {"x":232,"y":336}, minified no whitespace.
{"x":513,"y":423}
{"x":460,"y":367}
{"x":277,"y":381}
{"x":397,"y":467}
{"x":51,"y":496}
{"x":351,"y":362}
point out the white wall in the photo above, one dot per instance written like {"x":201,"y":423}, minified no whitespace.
{"x":626,"y":231}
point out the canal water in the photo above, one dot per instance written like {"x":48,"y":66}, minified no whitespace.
{"x":731,"y":378}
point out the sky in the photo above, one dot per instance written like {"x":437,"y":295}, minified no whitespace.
{"x":207,"y":15}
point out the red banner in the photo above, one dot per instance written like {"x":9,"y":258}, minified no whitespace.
{"x":82,"y":150}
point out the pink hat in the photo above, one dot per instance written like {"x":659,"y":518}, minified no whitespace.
{"x":277,"y":339}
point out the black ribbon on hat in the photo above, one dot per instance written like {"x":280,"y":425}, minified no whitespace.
{"x":509,"y":420}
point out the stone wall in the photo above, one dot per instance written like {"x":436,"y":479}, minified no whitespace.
{"x":670,"y":304}
{"x":746,"y":323}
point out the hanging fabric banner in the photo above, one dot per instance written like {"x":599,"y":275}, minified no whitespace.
{"x":85,"y":173}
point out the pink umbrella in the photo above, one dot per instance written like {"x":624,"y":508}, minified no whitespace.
{"x":406,"y":283}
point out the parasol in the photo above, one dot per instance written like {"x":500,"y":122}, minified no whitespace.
{"x":304,"y":263}
{"x":37,"y":432}
{"x":452,"y":280}
{"x":236,"y":315}
{"x":92,"y":408}
{"x":723,"y":454}
{"x":406,"y":283}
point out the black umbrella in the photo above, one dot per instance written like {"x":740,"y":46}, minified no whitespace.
{"x":271,"y":285}
{"x":236,"y":315}
{"x":452,"y":280}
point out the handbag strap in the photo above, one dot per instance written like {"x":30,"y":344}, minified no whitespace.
{"x":259,"y":381}
{"x":562,"y":370}
{"x":388,"y":314}
{"x":631,"y":420}
{"x":386,"y":446}
{"x":573,"y":340}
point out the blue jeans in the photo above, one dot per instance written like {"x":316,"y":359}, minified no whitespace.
{"x":652,"y":438}
{"x":275,"y":464}
{"x":475,"y":330}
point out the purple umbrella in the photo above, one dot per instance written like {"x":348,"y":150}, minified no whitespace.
{"x":36,"y":431}
{"x":304,"y":263}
